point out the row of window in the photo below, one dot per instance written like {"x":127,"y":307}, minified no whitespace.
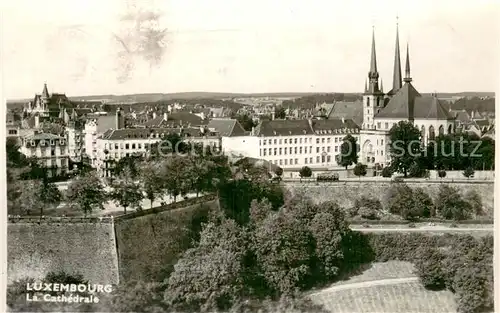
{"x":294,"y":150}
{"x":46,"y":142}
{"x":127,"y":146}
{"x":299,"y":141}
{"x":319,"y":159}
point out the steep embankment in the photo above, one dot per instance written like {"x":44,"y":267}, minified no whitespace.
{"x":150,"y":244}
{"x":345,"y":193}
{"x":86,"y":248}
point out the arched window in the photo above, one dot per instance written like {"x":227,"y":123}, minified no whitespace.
{"x":432,"y":135}
{"x":367,"y":102}
{"x":450,"y":129}
{"x":422,"y":133}
{"x":441,"y":130}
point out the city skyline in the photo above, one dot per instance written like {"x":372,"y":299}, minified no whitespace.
{"x":250,"y":47}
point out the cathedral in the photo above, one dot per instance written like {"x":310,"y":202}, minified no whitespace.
{"x":403,"y":102}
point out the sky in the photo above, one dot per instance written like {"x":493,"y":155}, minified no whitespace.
{"x":82,"y":47}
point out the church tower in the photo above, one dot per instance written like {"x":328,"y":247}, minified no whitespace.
{"x":373,"y":96}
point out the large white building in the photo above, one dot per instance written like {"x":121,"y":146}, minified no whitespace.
{"x":402,"y":103}
{"x":50,"y":150}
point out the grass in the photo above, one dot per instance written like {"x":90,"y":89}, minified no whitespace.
{"x":404,"y":297}
{"x":369,"y":292}
{"x":381,"y":270}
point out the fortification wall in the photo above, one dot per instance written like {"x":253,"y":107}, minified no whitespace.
{"x":345,"y":193}
{"x":150,"y":242}
{"x":36,"y":248}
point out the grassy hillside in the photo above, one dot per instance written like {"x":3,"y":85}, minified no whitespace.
{"x":346,"y":193}
{"x":86,"y":248}
{"x":149,"y":245}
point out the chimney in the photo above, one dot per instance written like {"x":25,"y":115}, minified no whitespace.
{"x":154,"y":114}
{"x":165,"y":116}
{"x":37,"y":121}
{"x":118,"y":118}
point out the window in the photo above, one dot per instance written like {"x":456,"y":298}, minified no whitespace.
{"x":280,"y":151}
{"x":286,"y":163}
{"x":12,"y":131}
{"x":305,"y":160}
{"x":296,"y":161}
{"x":260,"y":152}
{"x":336,"y":148}
{"x":291,"y":161}
{"x":281,"y":162}
{"x":310,"y":149}
{"x":328,"y":140}
{"x":317,"y":140}
{"x":52,"y":152}
{"x":264,"y":152}
{"x":280,"y":141}
{"x":275,"y":151}
{"x":322,"y":140}
{"x":300,"y":140}
{"x":42,"y":142}
{"x":381,"y":142}
{"x":317,"y":149}
{"x":275,"y":141}
{"x":327,"y":149}
{"x":386,"y":125}
{"x":336,"y":139}
{"x":310,"y":160}
{"x":300,"y":150}
{"x":328,"y":158}
{"x":270,"y":151}
{"x":264,"y":142}
{"x":133,"y":146}
{"x":116,"y":146}
{"x":317,"y":159}
{"x":260,"y":142}
{"x":295,"y":140}
{"x":379,"y":125}
{"x":126,"y":146}
{"x":139,"y":146}
{"x":367,"y":102}
{"x":286,"y":141}
{"x":295,"y":150}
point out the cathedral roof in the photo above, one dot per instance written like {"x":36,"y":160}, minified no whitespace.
{"x":430,"y":108}
{"x":401,"y":104}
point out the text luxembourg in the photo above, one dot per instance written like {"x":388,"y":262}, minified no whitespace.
{"x":50,"y":287}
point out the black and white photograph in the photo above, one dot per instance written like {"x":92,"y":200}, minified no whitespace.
{"x":249,"y":156}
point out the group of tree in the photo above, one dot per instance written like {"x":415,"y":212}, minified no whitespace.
{"x":463,"y":151}
{"x":310,"y":101}
{"x":263,"y":262}
{"x":466,"y":269}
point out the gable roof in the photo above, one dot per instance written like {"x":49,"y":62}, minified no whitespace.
{"x":227,"y":127}
{"x":401,"y":104}
{"x":430,"y":108}
{"x":349,"y":110}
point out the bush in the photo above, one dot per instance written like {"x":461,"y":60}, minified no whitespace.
{"x":442,"y":173}
{"x":451,"y":205}
{"x":305,"y":172}
{"x":386,"y":172}
{"x":360,"y":170}
{"x":429,"y":268}
{"x":468,"y":172}
{"x":367,"y":208}
{"x":475,"y":202}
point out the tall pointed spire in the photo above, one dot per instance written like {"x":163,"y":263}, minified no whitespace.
{"x":45,"y":92}
{"x":373,"y":62}
{"x":366,"y":85}
{"x":381,"y":85}
{"x":407,"y":68}
{"x":396,"y":77}
{"x":373,"y":74}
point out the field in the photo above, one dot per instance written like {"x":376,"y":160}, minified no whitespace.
{"x":384,"y":287}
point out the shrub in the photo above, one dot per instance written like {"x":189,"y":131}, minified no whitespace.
{"x":451,"y":205}
{"x":360,"y":170}
{"x":422,"y":203}
{"x":468,"y":172}
{"x":429,"y":267}
{"x":442,"y":173}
{"x":369,"y":214}
{"x":475,"y":202}
{"x":305,"y":172}
{"x":386,"y":172}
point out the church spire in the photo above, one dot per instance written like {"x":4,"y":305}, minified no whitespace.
{"x":373,"y":62}
{"x":373,"y":74}
{"x":45,"y":92}
{"x":381,"y":86}
{"x":396,"y":77}
{"x":407,"y":68}
{"x":366,"y":85}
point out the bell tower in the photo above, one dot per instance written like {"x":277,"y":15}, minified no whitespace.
{"x":373,"y":97}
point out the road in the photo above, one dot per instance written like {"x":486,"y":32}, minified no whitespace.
{"x":427,"y":229}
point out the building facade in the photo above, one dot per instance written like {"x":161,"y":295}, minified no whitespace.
{"x":50,"y":150}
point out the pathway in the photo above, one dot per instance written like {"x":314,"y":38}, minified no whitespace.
{"x":365,"y":284}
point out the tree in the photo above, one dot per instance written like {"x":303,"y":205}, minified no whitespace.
{"x":246,"y":121}
{"x":348,"y":152}
{"x":284,"y":248}
{"x":279,"y":172}
{"x":15,"y":159}
{"x":209,"y":276}
{"x":35,"y":195}
{"x":175,"y":175}
{"x":468,"y":172}
{"x":475,"y":201}
{"x":428,"y":264}
{"x":279,"y":112}
{"x":405,"y":146}
{"x":360,"y":170}
{"x":129,"y":163}
{"x":152,"y":183}
{"x":422,"y":204}
{"x":367,"y":208}
{"x":305,"y":171}
{"x":87,"y":193}
{"x":451,"y":205}
{"x":136,"y":296}
{"x":126,"y":193}
{"x":49,"y":195}
{"x":386,"y":171}
{"x":442,"y":173}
